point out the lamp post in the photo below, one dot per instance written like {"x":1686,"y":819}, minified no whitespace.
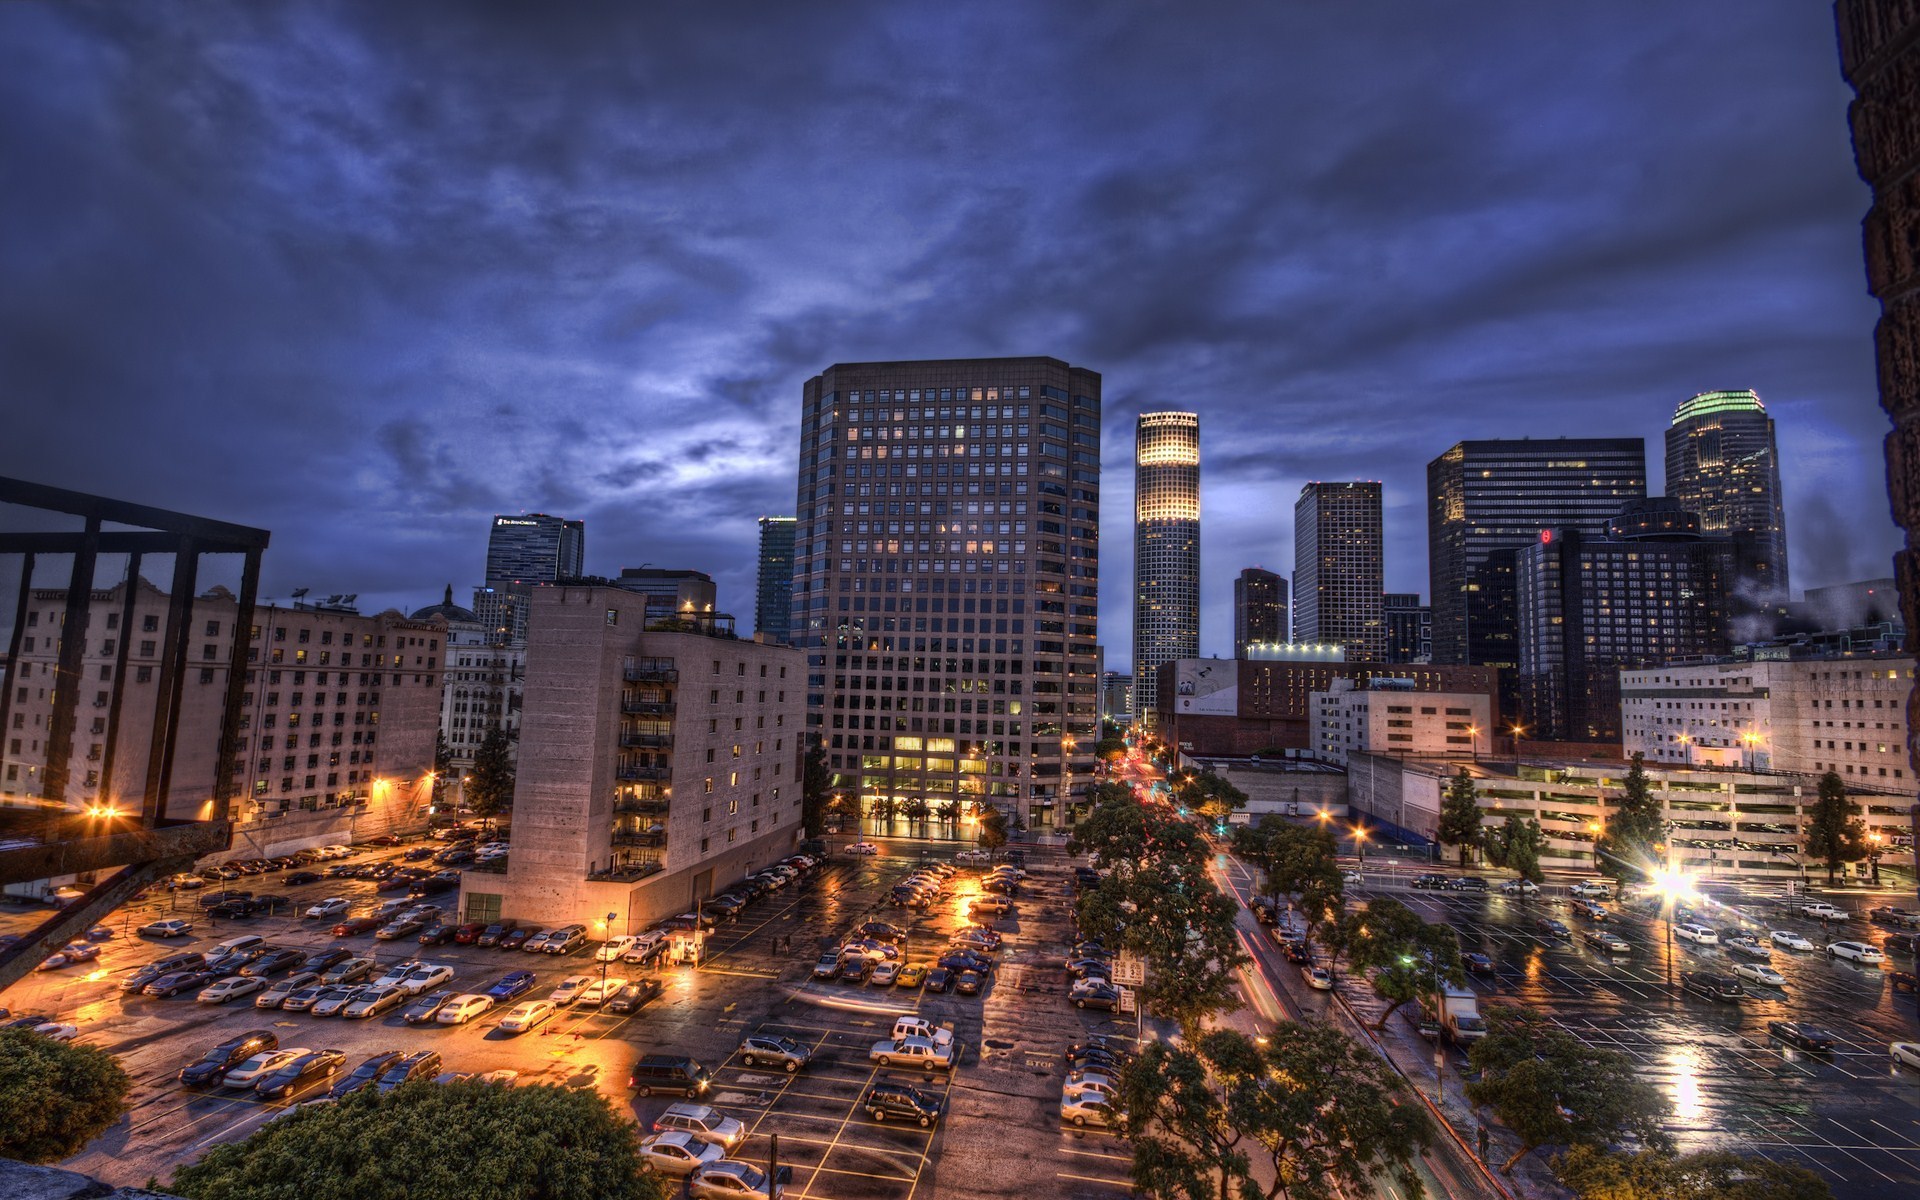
{"x":1473,"y":741}
{"x":1360,"y":843}
{"x":607,"y":925}
{"x":1873,"y":855}
{"x":1516,"y":730}
{"x":1687,"y":741}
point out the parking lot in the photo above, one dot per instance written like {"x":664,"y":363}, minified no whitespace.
{"x":1850,"y":1113}
{"x":999,"y":1134}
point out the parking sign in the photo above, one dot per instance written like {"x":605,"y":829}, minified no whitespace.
{"x":1130,"y":971}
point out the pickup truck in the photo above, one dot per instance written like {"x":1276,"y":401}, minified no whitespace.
{"x":911,"y":1052}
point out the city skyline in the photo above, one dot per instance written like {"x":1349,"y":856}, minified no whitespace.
{"x":618,"y":367}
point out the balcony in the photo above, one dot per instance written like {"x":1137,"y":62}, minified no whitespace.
{"x":657,"y":806}
{"x":652,"y":672}
{"x":655,"y":835}
{"x":634,"y":773}
{"x":625,"y":872}
{"x":647,"y":741}
{"x":647,"y":708}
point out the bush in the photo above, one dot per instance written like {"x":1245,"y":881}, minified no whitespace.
{"x":57,"y":1097}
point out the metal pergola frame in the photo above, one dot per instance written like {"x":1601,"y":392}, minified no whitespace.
{"x":150,"y":843}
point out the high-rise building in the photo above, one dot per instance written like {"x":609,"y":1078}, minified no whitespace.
{"x":773,"y":597}
{"x":1722,"y":465}
{"x":524,"y":552}
{"x":657,"y":765}
{"x":673,"y":593}
{"x":1654,"y":590}
{"x":1409,"y":628}
{"x":1486,"y":497}
{"x":1259,"y":609}
{"x":945,"y":585}
{"x":1337,"y":572}
{"x":1166,"y":545}
{"x":485,"y":685}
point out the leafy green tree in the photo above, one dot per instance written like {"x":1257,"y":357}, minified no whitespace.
{"x":1626,"y":849}
{"x":57,"y":1096}
{"x":816,"y":787}
{"x":490,"y":787}
{"x":1552,"y":1089}
{"x":1596,"y":1174}
{"x":1111,"y":748}
{"x":1295,"y":860}
{"x":993,"y":829}
{"x":1209,"y":795}
{"x":1320,"y":1113}
{"x":1460,"y":814}
{"x":1522,"y":843}
{"x":1835,"y":831}
{"x":917,"y":811}
{"x":426,"y":1141}
{"x":1409,"y":957}
{"x":442,"y":770}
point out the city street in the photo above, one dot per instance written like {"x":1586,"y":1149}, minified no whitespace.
{"x":1000,"y":1133}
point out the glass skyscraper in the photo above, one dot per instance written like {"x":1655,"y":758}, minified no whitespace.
{"x":1259,"y":609}
{"x":524,"y":552}
{"x":773,"y":597}
{"x":1166,"y":548}
{"x":1722,"y":466}
{"x":1337,"y":569}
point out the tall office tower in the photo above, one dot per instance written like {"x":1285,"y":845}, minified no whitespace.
{"x":1651,"y":590}
{"x":773,"y":598}
{"x":1166,"y":547}
{"x":945,"y":586}
{"x":1722,"y":465}
{"x":1337,"y":536}
{"x":1489,"y":497}
{"x":1259,"y":609}
{"x":1880,"y":58}
{"x":524,"y":552}
{"x":1409,"y":628}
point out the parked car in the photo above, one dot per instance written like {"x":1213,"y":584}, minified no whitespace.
{"x":887,"y":1101}
{"x":424,"y":1008}
{"x":1318,"y":978}
{"x":1552,"y":928}
{"x":567,"y":940}
{"x":1760,"y":973}
{"x":313,"y":1067}
{"x":1430,"y":883}
{"x":511,"y":986}
{"x":782,"y":1052}
{"x":911,"y":975}
{"x":1087,"y":1109}
{"x":246,"y":1074}
{"x":1606,"y":943}
{"x":231,"y":988}
{"x":364,"y":1075}
{"x":425,"y":977}
{"x":491,"y":935}
{"x":668,"y":1073}
{"x":355,"y":926}
{"x":526,"y":1015}
{"x":71,"y":954}
{"x":1692,"y":931}
{"x":515,"y":939}
{"x":351,"y":970}
{"x":828,"y":967}
{"x":703,"y":1123}
{"x":1478,"y":964}
{"x":568,"y":990}
{"x":461,"y":1009}
{"x":941,"y":980}
{"x":171,"y":928}
{"x":1517,"y":887}
{"x":1790,"y":939}
{"x":1804,"y":1035}
{"x":180,"y":981}
{"x":375,"y":1002}
{"x":334,"y":1000}
{"x":1468,"y":883}
{"x":211,"y":1068}
{"x":730,"y":1179}
{"x":1860,"y":952}
{"x":1713,"y":987}
{"x":863,"y":848}
{"x":677,"y":1155}
{"x":275,"y":961}
{"x":634,"y":996}
{"x":1094,"y":993}
{"x":421,"y":1064}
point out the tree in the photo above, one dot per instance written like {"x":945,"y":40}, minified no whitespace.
{"x":1460,"y":814}
{"x":917,"y":811}
{"x":57,"y":1096}
{"x":442,"y":769}
{"x":1522,"y":843}
{"x":1208,"y":795}
{"x":1493,"y":844}
{"x":461,"y":1141}
{"x":1295,"y":860}
{"x":1835,"y":831}
{"x":1324,"y":1114}
{"x":993,"y":829}
{"x":1552,"y":1089}
{"x":1409,"y":957}
{"x":1596,"y":1174}
{"x":816,"y":787}
{"x":490,"y":788}
{"x":1625,"y":849}
{"x":1111,"y":748}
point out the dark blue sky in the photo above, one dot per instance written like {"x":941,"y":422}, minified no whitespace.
{"x":367,"y":273}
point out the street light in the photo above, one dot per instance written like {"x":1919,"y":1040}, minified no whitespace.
{"x":1473,"y":740}
{"x":1687,"y":741}
{"x":606,"y":927}
{"x":1873,"y":855}
{"x":1516,"y":730}
{"x":1360,"y":843}
{"x":1671,"y":885}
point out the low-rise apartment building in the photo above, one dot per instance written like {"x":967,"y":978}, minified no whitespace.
{"x":1389,"y":716}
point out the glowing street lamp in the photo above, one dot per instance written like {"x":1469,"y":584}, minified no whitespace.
{"x":1687,"y":741}
{"x":1473,"y":740}
{"x":1671,"y":885}
{"x":1517,"y":730}
{"x":1360,"y":843}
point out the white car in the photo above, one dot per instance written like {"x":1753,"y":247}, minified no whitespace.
{"x":1760,"y":973}
{"x":1519,"y":887}
{"x":58,"y":1032}
{"x":1907,"y":1054}
{"x":461,"y":1009}
{"x":336,"y":851}
{"x":570,"y":989}
{"x":1751,"y":947}
{"x":863,"y":848}
{"x":1701,"y":935}
{"x":1592,"y":888}
{"x":1857,"y":951}
{"x":425,"y":978}
{"x":973,"y":858}
{"x":1089,"y":1085}
{"x":396,"y":974}
{"x":609,"y":951}
{"x":261,"y":1065}
{"x":1821,"y":910}
{"x":522,"y":1017}
{"x":332,"y":906}
{"x":1790,"y":939}
{"x":678,"y":1154}
{"x":231,"y":988}
{"x":1089,"y":1109}
{"x":1357,"y":877}
{"x":599,"y":992}
{"x":1318,"y":978}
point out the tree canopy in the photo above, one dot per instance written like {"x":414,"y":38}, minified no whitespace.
{"x":1522,"y":843}
{"x":1625,"y":848}
{"x":1835,"y":832}
{"x":1552,"y":1089}
{"x":816,"y":787}
{"x":1208,"y":795}
{"x":428,"y":1141}
{"x":1295,"y":860}
{"x":993,"y":828}
{"x":57,"y":1096}
{"x":1460,"y":814}
{"x":490,"y":787}
{"x":1595,"y":1174}
{"x":1409,"y":957}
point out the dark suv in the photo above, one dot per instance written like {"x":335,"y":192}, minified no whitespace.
{"x":668,"y":1073}
{"x":1713,"y":987}
{"x":213,"y":1066}
{"x":1468,"y":883}
{"x":424,"y":1064}
{"x":1431,"y":883}
{"x":899,"y":1100}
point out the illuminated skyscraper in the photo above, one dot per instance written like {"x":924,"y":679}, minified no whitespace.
{"x":773,"y":600}
{"x":1259,"y":609}
{"x":1337,"y":570}
{"x":1722,"y":466}
{"x":1166,"y":547}
{"x":524,"y":552}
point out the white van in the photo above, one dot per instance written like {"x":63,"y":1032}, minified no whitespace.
{"x":1702,"y":935}
{"x":245,"y":941}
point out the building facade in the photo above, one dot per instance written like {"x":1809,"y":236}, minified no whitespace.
{"x":1261,"y":612}
{"x":337,"y":720}
{"x":524,"y":552}
{"x":1384,"y":715}
{"x":773,"y":594}
{"x":1116,"y":697}
{"x":1486,"y":500}
{"x":1803,"y":716}
{"x":1166,"y":541}
{"x":1409,"y":628}
{"x":484,"y":689}
{"x":1653,"y":591}
{"x":1725,"y":824}
{"x":1722,"y":465}
{"x":656,"y":767}
{"x":946,"y":582}
{"x":1338,"y":547}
